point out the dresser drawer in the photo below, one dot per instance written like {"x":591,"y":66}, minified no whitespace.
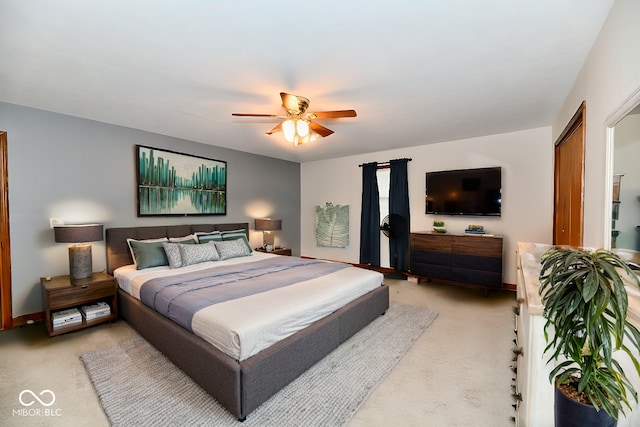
{"x":72,"y":295}
{"x":477,"y":277}
{"x":477,"y":263}
{"x":431,"y":242}
{"x":429,"y":257}
{"x":486,"y":246}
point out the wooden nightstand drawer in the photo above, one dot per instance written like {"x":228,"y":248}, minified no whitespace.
{"x":73,"y":295}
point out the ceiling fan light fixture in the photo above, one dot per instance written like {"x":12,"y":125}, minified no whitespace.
{"x":310,"y":137}
{"x":289,"y":130}
{"x":302,"y":128}
{"x":297,"y":131}
{"x":299,"y":126}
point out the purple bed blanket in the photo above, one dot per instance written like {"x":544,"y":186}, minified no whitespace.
{"x":180,"y":296}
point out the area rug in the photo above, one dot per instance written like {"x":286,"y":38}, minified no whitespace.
{"x":137,"y":385}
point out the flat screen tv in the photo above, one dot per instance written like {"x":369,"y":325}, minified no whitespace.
{"x":464,"y":192}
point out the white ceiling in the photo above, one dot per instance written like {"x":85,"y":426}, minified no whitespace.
{"x":417,"y":72}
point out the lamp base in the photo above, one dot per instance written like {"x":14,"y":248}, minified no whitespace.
{"x":80,"y":262}
{"x":268,"y":239}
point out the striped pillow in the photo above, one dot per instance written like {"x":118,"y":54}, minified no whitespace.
{"x":208,"y":237}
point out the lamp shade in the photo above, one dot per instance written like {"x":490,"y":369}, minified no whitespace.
{"x":78,"y":233}
{"x":268,"y":224}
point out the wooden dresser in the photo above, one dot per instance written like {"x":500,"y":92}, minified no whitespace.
{"x":467,"y":259}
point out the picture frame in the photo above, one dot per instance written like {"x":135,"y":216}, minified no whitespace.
{"x":332,"y":225}
{"x":170,"y":183}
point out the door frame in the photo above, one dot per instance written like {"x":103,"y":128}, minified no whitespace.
{"x":614,"y":118}
{"x":6,"y":321}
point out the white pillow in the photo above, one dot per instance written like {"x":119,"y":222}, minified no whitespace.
{"x":191,"y":238}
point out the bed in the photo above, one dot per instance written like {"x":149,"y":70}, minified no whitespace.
{"x":240,"y":384}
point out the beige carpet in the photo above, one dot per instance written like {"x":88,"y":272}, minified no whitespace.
{"x":138,"y":386}
{"x":456,"y":374}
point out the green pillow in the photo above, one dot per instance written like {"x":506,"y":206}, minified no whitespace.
{"x":148,"y":253}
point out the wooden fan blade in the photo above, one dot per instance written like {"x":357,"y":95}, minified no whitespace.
{"x":319,"y":129}
{"x":277,"y":128}
{"x":332,"y":114}
{"x":253,"y":115}
{"x":294,"y":104}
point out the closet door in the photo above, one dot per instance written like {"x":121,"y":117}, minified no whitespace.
{"x":569,"y":183}
{"x":5,"y":250}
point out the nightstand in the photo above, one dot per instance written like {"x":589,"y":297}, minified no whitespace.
{"x":276,"y":251}
{"x":61,"y":293}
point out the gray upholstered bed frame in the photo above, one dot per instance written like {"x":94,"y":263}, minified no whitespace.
{"x":239,"y":386}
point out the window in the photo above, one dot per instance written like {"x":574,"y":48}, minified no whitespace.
{"x":384,"y":176}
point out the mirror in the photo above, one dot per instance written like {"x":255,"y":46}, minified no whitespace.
{"x":624,"y":180}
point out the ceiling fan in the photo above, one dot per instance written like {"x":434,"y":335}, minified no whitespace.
{"x":299,"y":126}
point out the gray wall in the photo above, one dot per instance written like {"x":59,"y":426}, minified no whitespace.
{"x":83,"y":171}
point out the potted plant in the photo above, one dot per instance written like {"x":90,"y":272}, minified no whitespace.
{"x":439,"y":227}
{"x":585,"y":307}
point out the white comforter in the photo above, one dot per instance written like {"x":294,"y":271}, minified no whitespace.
{"x":245,"y":326}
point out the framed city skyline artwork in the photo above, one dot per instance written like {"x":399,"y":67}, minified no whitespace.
{"x":178,"y":184}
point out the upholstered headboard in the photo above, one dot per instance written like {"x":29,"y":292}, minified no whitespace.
{"x":118,"y":253}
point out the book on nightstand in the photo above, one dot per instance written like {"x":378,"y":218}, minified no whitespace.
{"x":67,"y":317}
{"x":95,"y":311}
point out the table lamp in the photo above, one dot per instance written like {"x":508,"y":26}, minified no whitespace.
{"x":80,"y":260}
{"x":267,"y":226}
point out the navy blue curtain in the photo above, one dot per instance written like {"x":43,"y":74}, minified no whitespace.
{"x":399,"y":204}
{"x":370,"y":216}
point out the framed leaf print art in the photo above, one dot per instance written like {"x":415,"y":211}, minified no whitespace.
{"x":332,"y":225}
{"x":178,"y":184}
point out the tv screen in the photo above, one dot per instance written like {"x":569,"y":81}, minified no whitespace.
{"x":464,"y":192}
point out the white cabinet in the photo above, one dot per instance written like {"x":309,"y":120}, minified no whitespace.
{"x":532,"y":380}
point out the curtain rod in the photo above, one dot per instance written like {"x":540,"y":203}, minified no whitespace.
{"x":383,"y":164}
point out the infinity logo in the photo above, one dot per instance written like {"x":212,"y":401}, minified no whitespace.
{"x":34,"y":396}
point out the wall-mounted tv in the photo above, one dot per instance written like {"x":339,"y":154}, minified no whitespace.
{"x":464,"y":192}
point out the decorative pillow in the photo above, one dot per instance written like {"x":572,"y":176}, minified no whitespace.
{"x":237,"y":235}
{"x":232,"y":248}
{"x":191,"y":239}
{"x":209,"y":236}
{"x":195,"y":254}
{"x":148,"y":253}
{"x":173,"y":254}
